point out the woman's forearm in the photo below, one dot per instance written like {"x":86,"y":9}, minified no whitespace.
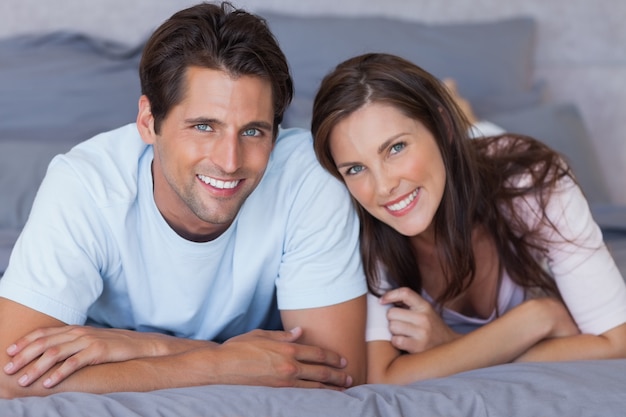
{"x":611,"y":344}
{"x":501,"y":341}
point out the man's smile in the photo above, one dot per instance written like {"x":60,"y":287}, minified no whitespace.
{"x":220,"y":184}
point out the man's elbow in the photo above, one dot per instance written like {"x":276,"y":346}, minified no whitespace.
{"x":359,"y":377}
{"x":10,"y":389}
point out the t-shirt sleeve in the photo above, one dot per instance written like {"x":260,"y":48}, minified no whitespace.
{"x":321,"y":264}
{"x":54,"y":266}
{"x":377,"y":327}
{"x":584,"y":270}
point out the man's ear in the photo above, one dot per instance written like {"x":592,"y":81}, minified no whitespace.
{"x":145,"y":121}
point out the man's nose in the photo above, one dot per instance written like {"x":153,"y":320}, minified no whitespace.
{"x":227,"y":155}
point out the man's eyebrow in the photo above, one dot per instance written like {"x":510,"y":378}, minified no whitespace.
{"x":259,"y":125}
{"x":203,"y":121}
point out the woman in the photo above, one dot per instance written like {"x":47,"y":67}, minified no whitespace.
{"x":491,"y":234}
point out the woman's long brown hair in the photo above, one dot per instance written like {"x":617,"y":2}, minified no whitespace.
{"x":479,"y":190}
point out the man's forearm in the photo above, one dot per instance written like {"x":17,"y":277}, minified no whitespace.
{"x":259,"y":357}
{"x":74,"y":347}
{"x":142,"y":374}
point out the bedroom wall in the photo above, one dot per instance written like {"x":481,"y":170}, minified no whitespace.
{"x":580,"y":50}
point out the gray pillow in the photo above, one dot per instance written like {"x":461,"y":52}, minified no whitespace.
{"x":561,"y":127}
{"x":23,"y":165}
{"x":66,"y":86}
{"x":492,"y":62}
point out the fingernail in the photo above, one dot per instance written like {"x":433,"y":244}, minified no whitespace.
{"x":11,"y":349}
{"x":349,"y":381}
{"x":295,"y":330}
{"x":8,"y":367}
{"x":47,"y":383}
{"x":343,"y":362}
{"x":23,"y":380}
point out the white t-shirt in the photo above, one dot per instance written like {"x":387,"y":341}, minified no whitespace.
{"x":590,"y":283}
{"x":96,"y":249}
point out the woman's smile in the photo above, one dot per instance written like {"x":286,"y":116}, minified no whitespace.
{"x":404,"y":204}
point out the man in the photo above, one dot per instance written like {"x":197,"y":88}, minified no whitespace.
{"x":189,"y":230}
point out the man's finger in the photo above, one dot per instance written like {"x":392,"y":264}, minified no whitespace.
{"x":33,"y":336}
{"x":318,"y":355}
{"x":325,"y":375}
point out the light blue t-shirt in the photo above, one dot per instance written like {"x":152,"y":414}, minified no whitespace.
{"x":96,"y":249}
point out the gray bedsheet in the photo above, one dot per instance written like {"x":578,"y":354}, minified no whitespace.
{"x":592,"y":388}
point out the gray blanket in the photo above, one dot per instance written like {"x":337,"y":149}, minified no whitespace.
{"x":514,"y":390}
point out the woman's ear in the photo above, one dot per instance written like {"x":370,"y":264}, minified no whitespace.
{"x":145,"y":121}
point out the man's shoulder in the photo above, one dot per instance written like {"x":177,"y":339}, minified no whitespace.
{"x":118,"y":144}
{"x":293,"y":143}
{"x":107,"y":164}
{"x":294,"y":176}
{"x":294,"y":157}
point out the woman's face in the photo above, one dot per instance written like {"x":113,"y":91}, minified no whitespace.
{"x":391,"y":165}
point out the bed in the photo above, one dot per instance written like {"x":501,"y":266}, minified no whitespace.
{"x":59,"y":88}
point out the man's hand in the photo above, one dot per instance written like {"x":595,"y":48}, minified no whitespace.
{"x":415,"y":326}
{"x":255,"y":358}
{"x":75,"y":347}
{"x":273,"y":358}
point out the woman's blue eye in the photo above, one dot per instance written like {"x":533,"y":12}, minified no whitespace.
{"x":397,"y":147}
{"x":354,"y":170}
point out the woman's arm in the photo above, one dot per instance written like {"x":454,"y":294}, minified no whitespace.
{"x":608,"y":345}
{"x":590,"y":283}
{"x":501,"y":341}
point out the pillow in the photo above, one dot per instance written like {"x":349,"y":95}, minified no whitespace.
{"x":561,"y":127}
{"x":66,"y":86}
{"x":492,"y":62}
{"x":7,"y":241}
{"x":23,"y":165}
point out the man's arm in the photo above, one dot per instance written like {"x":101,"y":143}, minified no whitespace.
{"x":255,"y":358}
{"x":17,"y":320}
{"x":339,"y":328}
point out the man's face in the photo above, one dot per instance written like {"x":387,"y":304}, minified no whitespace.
{"x":211,"y":151}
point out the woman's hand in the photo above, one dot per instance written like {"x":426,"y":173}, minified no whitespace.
{"x":415,"y":325}
{"x":75,"y":347}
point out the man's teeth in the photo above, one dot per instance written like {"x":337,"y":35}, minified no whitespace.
{"x":402,"y":204}
{"x":218,"y":183}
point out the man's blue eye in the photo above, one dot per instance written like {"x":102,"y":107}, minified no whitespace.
{"x":203,"y":127}
{"x":251,"y":132}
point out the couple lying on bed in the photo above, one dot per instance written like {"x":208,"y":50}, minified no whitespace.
{"x":172,"y":252}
